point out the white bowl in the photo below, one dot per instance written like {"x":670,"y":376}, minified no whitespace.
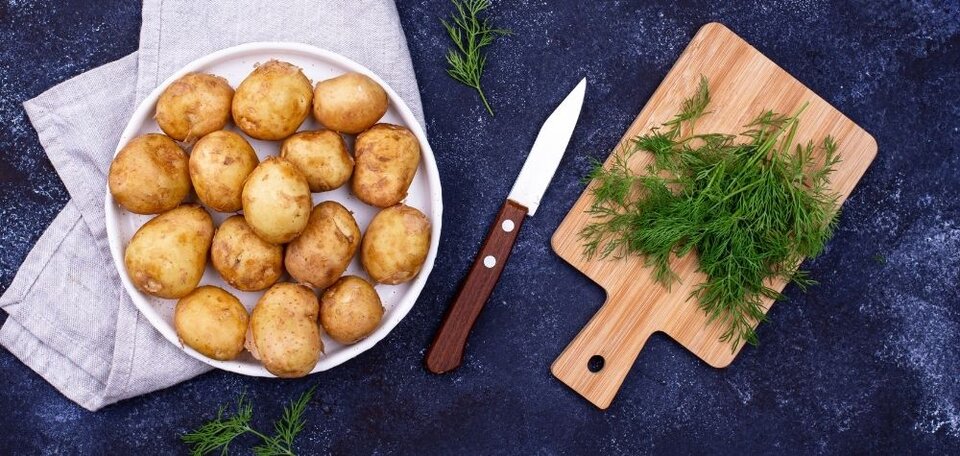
{"x":235,"y":64}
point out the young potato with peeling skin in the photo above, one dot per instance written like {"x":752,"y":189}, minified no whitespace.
{"x":387,"y":157}
{"x":219,"y":164}
{"x":350,"y":310}
{"x":211,"y":321}
{"x":284,"y":331}
{"x":194,"y":105}
{"x":321,"y":156}
{"x":245,"y":261}
{"x":167,"y":255}
{"x":320,"y":255}
{"x":149,"y":175}
{"x":349,"y":103}
{"x":276,"y":200}
{"x":395,"y":244}
{"x":273,"y":101}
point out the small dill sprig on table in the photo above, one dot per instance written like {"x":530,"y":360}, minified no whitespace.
{"x":286,"y":429}
{"x":751,"y":210}
{"x":219,"y":432}
{"x":470,"y":33}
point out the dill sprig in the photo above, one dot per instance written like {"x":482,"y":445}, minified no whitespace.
{"x":219,"y":432}
{"x":470,"y":34}
{"x":286,"y":429}
{"x":751,"y":210}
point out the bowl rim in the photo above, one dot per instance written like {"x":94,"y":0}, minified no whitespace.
{"x":143,"y":112}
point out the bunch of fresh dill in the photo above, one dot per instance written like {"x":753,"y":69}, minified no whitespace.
{"x":750,"y":209}
{"x":470,"y":33}
{"x":220,"y":431}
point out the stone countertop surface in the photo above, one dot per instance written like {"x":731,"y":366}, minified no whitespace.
{"x":868,"y":361}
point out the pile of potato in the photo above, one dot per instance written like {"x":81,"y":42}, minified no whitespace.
{"x":278,"y":231}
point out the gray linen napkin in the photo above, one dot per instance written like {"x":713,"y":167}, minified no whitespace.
{"x":69,"y":318}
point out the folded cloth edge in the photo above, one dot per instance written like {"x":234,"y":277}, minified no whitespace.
{"x":23,"y":344}
{"x":38,"y":354}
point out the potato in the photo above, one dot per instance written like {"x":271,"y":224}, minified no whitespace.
{"x":149,"y":175}
{"x":212,"y":322}
{"x":276,"y":200}
{"x":349,"y":103}
{"x":321,"y":156}
{"x":284,"y":332}
{"x":194,"y":105}
{"x":395,"y":244}
{"x":167,"y":255}
{"x":219,"y":164}
{"x":387,"y":158}
{"x":350,"y":310}
{"x":320,"y":255}
{"x":272,"y":101}
{"x":245,"y":261}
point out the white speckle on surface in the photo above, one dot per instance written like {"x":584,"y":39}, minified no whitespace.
{"x":926,"y":327}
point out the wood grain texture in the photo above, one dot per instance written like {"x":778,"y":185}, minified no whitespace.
{"x":446,"y":351}
{"x":743,"y":83}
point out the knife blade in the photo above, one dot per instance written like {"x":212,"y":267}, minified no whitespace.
{"x":446,"y":351}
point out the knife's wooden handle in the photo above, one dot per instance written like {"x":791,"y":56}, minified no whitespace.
{"x":446,"y":351}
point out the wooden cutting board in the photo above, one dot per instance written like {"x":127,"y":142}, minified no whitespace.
{"x":743,"y":83}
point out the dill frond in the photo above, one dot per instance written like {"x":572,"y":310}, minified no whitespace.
{"x":219,"y":432}
{"x":470,"y":33}
{"x":752,"y":210}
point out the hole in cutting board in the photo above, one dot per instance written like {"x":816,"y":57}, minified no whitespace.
{"x":595,"y":364}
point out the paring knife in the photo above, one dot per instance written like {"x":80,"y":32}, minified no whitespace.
{"x":446,"y":351}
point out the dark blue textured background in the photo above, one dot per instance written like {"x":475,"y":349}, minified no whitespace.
{"x":869,"y":361}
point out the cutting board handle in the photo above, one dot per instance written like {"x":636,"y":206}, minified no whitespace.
{"x":599,"y":358}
